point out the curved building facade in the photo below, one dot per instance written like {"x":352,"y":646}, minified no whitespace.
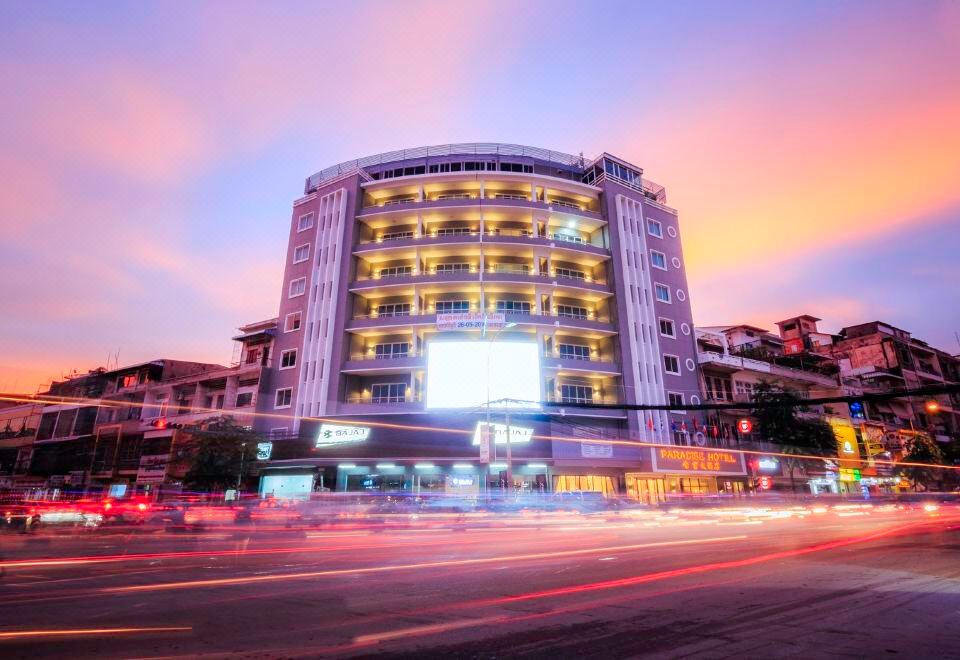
{"x":578,"y":260}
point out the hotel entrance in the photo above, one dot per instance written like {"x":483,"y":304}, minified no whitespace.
{"x":646,"y":489}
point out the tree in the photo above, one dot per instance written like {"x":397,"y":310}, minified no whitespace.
{"x":780,"y":424}
{"x":923,"y":449}
{"x":216,"y":451}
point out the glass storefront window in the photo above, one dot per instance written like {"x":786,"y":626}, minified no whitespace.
{"x":588,"y":482}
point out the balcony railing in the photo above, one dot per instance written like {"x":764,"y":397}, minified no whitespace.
{"x":383,"y":400}
{"x":430,"y":235}
{"x":508,"y":312}
{"x":371,"y":357}
{"x":561,"y":202}
{"x":581,"y":358}
{"x":527,"y":270}
{"x":463,"y":149}
{"x":568,"y":238}
{"x":516,"y":269}
{"x":370,"y":205}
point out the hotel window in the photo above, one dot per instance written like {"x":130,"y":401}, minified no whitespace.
{"x":452,"y":306}
{"x":394,"y":309}
{"x":392,"y":350}
{"x":675,"y":399}
{"x":283,"y":398}
{"x":395,"y":271}
{"x":654,"y":228}
{"x":291,"y":322}
{"x":389,"y":392}
{"x":513,"y":306}
{"x":662,"y":292}
{"x":453,"y":268}
{"x":244,"y":399}
{"x":658,"y":260}
{"x":305,"y":222}
{"x":571,"y":274}
{"x":454,"y":231}
{"x":288,"y":359}
{"x":298,"y":287}
{"x":571,"y":312}
{"x":301,"y":253}
{"x":576,"y":394}
{"x":574,"y":351}
{"x":667,"y":329}
{"x":671,"y":364}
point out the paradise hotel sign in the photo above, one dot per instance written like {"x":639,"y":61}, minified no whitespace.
{"x":688,"y":460}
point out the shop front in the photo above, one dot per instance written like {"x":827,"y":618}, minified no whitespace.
{"x":681,"y":474}
{"x":445,"y":454}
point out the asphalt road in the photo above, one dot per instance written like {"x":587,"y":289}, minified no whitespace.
{"x":840,"y":583}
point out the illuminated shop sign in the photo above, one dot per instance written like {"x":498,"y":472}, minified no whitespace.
{"x":697,"y":461}
{"x":338,"y":434}
{"x":849,"y":474}
{"x":264,"y":451}
{"x":768,"y":463}
{"x":518,"y":434}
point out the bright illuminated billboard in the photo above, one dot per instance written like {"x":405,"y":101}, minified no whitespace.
{"x":457,"y":374}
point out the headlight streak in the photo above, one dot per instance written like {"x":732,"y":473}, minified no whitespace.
{"x":70,"y":632}
{"x":468,"y":432}
{"x":191,"y":584}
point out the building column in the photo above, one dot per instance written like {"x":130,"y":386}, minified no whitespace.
{"x":230,"y":392}
{"x":420,"y":193}
{"x":419,"y":225}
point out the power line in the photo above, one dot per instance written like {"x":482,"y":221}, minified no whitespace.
{"x":786,"y":400}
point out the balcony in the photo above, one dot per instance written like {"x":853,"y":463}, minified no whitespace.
{"x":520,"y":273}
{"x":472,"y":237}
{"x":592,"y":364}
{"x":502,"y":200}
{"x":601,"y":324}
{"x":373,"y":364}
{"x":365,"y":405}
{"x":732,"y":363}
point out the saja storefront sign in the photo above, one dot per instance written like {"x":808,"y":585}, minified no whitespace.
{"x":339,"y":434}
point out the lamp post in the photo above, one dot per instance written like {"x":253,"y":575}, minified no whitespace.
{"x":490,"y":437}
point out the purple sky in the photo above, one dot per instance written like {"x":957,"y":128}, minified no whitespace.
{"x":149,"y":153}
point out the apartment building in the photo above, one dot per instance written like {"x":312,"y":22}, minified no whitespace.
{"x":116,"y":429}
{"x":579,"y":259}
{"x":876,"y":357}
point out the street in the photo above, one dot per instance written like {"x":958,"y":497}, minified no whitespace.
{"x":855,"y":582}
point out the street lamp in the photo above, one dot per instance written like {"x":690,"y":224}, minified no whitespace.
{"x":490,"y":437}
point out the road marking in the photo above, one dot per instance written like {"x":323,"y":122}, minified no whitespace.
{"x":427,"y":630}
{"x":406,"y":567}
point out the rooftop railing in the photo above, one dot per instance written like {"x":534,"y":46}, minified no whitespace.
{"x":465,"y":149}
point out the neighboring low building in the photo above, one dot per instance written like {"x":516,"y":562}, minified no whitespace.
{"x":117,"y":429}
{"x":18,"y":430}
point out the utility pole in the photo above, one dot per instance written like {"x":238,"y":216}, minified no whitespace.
{"x":509,"y":452}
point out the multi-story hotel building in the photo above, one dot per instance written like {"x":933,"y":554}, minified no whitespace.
{"x":581,"y":257}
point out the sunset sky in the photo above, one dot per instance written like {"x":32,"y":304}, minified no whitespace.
{"x":150,"y":152}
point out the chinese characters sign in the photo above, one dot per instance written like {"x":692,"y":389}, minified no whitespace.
{"x":697,"y":461}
